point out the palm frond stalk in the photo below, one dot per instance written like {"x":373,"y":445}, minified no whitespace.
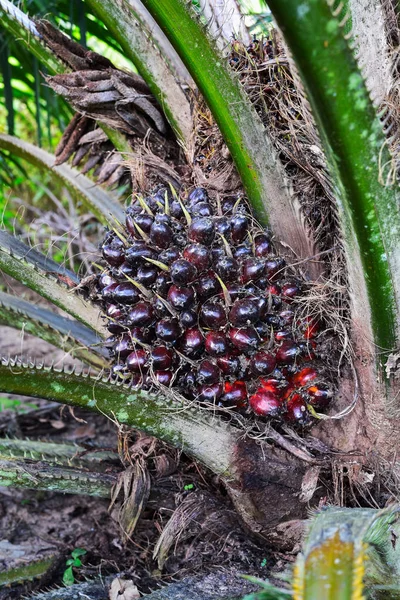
{"x":360,"y":163}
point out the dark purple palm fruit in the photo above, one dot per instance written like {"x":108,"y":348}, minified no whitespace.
{"x":168,"y":330}
{"x":136,"y":360}
{"x":202,"y":231}
{"x":208,"y":372}
{"x":245,"y":311}
{"x":197,"y":300}
{"x":188,"y":319}
{"x":239,"y":228}
{"x":161,"y":234}
{"x":227,"y":268}
{"x":213,"y":315}
{"x":161,"y":358}
{"x":113,"y":250}
{"x":198,"y":255}
{"x":192,"y":343}
{"x":105,"y":279}
{"x":126,"y":293}
{"x":182,"y":271}
{"x":252,"y":269}
{"x":262,"y":245}
{"x":197,"y":195}
{"x":181,"y":298}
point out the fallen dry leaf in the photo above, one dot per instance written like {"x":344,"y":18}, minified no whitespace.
{"x":123,"y":589}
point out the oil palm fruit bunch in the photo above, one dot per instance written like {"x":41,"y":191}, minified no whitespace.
{"x":197,"y":299}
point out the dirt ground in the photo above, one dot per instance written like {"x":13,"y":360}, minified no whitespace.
{"x":188,"y":508}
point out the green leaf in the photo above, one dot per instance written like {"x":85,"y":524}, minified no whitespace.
{"x":135,"y":39}
{"x":68,"y":577}
{"x":17,"y":405}
{"x":70,"y":336}
{"x":47,"y":278}
{"x":78,"y":552}
{"x":77,"y":562}
{"x":358,"y":157}
{"x":95,"y":199}
{"x":201,"y":433}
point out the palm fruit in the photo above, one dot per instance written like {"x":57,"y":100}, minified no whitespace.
{"x":196,"y":299}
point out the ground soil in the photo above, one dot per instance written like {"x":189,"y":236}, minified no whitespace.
{"x":35,"y":525}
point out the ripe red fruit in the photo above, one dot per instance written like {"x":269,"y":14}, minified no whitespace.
{"x":136,"y":361}
{"x":296,"y":410}
{"x":311,"y":329}
{"x":275,"y":386}
{"x":304,"y":376}
{"x":265,"y":403}
{"x":319,"y":396}
{"x":235,"y":394}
